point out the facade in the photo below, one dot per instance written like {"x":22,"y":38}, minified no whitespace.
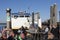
{"x":53,"y":15}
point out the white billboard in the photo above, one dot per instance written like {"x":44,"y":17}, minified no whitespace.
{"x":19,"y":22}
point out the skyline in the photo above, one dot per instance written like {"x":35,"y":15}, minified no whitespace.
{"x":42,"y":6}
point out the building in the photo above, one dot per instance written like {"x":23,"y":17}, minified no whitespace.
{"x":8,"y":12}
{"x":2,"y":26}
{"x":53,"y":15}
{"x":19,"y":19}
{"x":24,"y":19}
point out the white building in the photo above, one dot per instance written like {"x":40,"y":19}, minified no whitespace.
{"x":23,"y":19}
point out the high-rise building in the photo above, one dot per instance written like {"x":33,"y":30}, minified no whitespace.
{"x":8,"y":12}
{"x":53,"y":15}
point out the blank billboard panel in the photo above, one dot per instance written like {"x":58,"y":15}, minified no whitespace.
{"x":19,"y":22}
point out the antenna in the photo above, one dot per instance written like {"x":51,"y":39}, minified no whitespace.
{"x":59,"y":16}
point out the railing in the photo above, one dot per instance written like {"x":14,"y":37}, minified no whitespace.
{"x":38,"y":36}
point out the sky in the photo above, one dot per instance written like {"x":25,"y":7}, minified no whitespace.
{"x":42,"y":6}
